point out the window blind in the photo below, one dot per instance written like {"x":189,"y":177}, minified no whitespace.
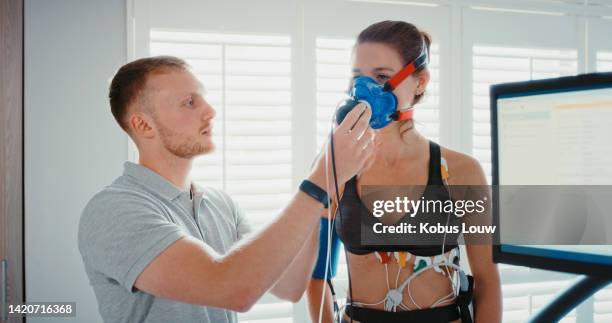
{"x":602,"y":307}
{"x":248,"y":82}
{"x":494,"y":64}
{"x":522,"y":294}
{"x":604,"y":61}
{"x":525,"y":291}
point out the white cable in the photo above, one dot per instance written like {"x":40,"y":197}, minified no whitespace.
{"x":328,"y":254}
{"x":387,"y":275}
{"x":399,"y":269}
{"x":366,"y":304}
{"x":407,"y":282}
{"x":445,"y":182}
{"x":454,"y":285}
{"x":449,"y":297}
{"x":329,"y":211}
{"x":330,"y":219}
{"x":404,"y":307}
{"x":412,"y":299}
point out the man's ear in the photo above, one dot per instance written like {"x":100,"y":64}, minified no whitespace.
{"x":141,"y":124}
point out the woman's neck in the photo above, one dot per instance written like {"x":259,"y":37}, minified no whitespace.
{"x":398,"y":142}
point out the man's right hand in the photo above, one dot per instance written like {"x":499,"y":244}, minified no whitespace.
{"x":352,"y":148}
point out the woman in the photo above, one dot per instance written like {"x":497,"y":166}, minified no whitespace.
{"x":404,"y":157}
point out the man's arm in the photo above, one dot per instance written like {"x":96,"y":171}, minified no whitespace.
{"x":190,"y":271}
{"x":295,"y":279}
{"x":294,"y":285}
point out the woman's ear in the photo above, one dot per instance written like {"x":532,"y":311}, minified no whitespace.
{"x":422,"y":81}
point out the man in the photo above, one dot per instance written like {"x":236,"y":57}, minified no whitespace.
{"x":157,"y":248}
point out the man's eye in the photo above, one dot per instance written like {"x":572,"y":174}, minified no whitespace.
{"x":382,"y":77}
{"x":189,"y":103}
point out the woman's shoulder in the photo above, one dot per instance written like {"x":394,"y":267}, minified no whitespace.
{"x":463,"y":169}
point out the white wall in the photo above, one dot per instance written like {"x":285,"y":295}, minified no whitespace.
{"x":72,"y":145}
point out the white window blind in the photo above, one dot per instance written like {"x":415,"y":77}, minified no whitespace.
{"x":491,"y":65}
{"x":604,"y":61}
{"x":248,"y":82}
{"x":522,"y":295}
{"x":333,"y":60}
{"x":525,"y":291}
{"x":427,"y":112}
{"x":602,"y":307}
{"x":333,"y":66}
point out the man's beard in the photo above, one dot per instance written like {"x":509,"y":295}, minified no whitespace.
{"x":182,"y":145}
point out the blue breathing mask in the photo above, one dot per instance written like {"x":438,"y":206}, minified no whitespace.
{"x":382,"y":103}
{"x":380,"y":98}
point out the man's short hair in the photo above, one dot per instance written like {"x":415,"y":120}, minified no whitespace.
{"x":130,"y":80}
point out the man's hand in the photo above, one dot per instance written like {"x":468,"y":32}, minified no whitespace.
{"x":353,"y":147}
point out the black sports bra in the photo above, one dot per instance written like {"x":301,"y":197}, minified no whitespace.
{"x":356,"y":221}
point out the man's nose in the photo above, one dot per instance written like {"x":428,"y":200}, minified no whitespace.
{"x":209,"y":112}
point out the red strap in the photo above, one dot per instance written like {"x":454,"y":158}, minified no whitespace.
{"x":396,"y":79}
{"x":405,"y":115}
{"x":400,"y":76}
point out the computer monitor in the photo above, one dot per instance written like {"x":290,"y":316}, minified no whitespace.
{"x":555,"y":132}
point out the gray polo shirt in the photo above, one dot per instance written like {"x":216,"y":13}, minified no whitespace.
{"x":129,"y":223}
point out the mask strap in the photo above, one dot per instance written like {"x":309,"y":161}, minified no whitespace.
{"x":407,"y":70}
{"x":402,"y":115}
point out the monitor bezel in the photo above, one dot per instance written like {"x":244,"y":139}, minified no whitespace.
{"x":545,"y":86}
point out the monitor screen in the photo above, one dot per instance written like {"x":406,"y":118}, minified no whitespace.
{"x":552,"y":169}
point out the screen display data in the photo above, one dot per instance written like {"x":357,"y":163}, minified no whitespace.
{"x":557,"y":139}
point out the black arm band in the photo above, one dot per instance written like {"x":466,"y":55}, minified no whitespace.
{"x":315,"y":192}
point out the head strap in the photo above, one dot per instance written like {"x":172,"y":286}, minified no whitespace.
{"x":407,"y":70}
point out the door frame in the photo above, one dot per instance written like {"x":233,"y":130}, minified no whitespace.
{"x":11,"y":155}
